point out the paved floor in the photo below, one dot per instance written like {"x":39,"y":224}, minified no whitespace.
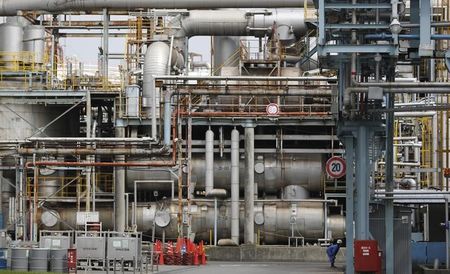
{"x":237,"y":268}
{"x":260,"y":268}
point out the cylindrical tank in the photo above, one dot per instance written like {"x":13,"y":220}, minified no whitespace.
{"x":58,"y":260}
{"x":34,"y":43}
{"x":11,"y":36}
{"x":19,"y":259}
{"x":295,"y":192}
{"x":273,"y":219}
{"x":272,"y":176}
{"x":38,"y":259}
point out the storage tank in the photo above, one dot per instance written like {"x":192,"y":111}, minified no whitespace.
{"x":11,"y":36}
{"x":34,"y":43}
{"x":38,"y":259}
{"x":19,"y":259}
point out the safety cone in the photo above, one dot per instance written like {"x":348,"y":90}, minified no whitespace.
{"x":196,"y":257}
{"x":161,"y":258}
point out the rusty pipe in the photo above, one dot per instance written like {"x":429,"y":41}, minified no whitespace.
{"x":253,"y":114}
{"x":89,"y":151}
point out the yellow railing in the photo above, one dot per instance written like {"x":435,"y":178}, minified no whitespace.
{"x":22,"y":61}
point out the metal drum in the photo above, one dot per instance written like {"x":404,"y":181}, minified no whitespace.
{"x":38,"y":259}
{"x":19,"y":259}
{"x":58,"y":261}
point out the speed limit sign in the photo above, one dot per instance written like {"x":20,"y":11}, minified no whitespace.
{"x":336,"y":167}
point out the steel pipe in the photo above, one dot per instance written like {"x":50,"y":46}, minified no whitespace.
{"x":249,"y":228}
{"x":235,"y":186}
{"x":89,"y":151}
{"x":88,"y":140}
{"x":209,"y":161}
{"x":11,"y":7}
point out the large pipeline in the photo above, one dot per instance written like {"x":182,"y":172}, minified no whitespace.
{"x":273,"y":219}
{"x":11,"y":7}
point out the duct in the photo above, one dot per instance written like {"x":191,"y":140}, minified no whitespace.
{"x":209,"y":161}
{"x":276,"y":219}
{"x":302,"y":170}
{"x":11,"y":7}
{"x":235,"y":186}
{"x":156,"y":63}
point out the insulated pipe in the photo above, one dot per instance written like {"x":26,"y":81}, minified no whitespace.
{"x":167,"y":118}
{"x":209,"y":161}
{"x":119,"y":189}
{"x":155,"y":63}
{"x":11,"y":7}
{"x":249,"y":228}
{"x":289,"y":25}
{"x":235,"y":186}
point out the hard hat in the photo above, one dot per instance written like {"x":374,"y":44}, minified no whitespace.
{"x":339,"y":241}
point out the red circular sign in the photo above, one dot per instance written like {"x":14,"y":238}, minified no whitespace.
{"x":272,"y":109}
{"x":336,"y":167}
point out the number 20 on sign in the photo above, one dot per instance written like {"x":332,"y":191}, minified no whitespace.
{"x":336,"y":167}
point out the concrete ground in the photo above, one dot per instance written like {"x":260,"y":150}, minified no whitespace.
{"x":240,"y":268}
{"x":259,"y":267}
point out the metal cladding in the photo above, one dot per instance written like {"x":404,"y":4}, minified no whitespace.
{"x":302,"y":170}
{"x":11,"y":36}
{"x":287,"y":23}
{"x":11,"y":7}
{"x":275,"y":218}
{"x":34,"y":42}
{"x":209,"y":156}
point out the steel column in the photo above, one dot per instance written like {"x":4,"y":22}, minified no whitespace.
{"x":362,"y":183}
{"x":350,"y":189}
{"x":389,"y":181}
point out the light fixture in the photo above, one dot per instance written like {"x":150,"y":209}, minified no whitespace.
{"x":395,"y":26}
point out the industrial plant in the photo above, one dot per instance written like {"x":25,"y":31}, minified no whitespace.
{"x":142,"y":134}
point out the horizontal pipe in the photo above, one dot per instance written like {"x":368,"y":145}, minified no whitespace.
{"x":242,"y":78}
{"x":11,"y":7}
{"x":267,"y":92}
{"x":89,"y":151}
{"x":251,"y":114}
{"x":89,"y":140}
{"x":443,"y":89}
{"x":103,"y":164}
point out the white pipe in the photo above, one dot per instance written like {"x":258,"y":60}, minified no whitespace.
{"x":11,"y":7}
{"x":235,"y":186}
{"x":209,"y":161}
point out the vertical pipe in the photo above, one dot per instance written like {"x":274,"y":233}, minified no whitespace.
{"x":105,"y":47}
{"x":435,"y":148}
{"x":119,"y":190}
{"x":154,"y":106}
{"x":249,"y":228}
{"x":362,"y":184}
{"x":167,"y":118}
{"x":88,"y":135}
{"x":349,"y":184}
{"x":235,"y":186}
{"x":215,"y":221}
{"x":1,"y":197}
{"x":209,"y":161}
{"x":389,"y":182}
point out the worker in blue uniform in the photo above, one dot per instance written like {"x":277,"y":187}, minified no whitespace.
{"x":332,"y":251}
